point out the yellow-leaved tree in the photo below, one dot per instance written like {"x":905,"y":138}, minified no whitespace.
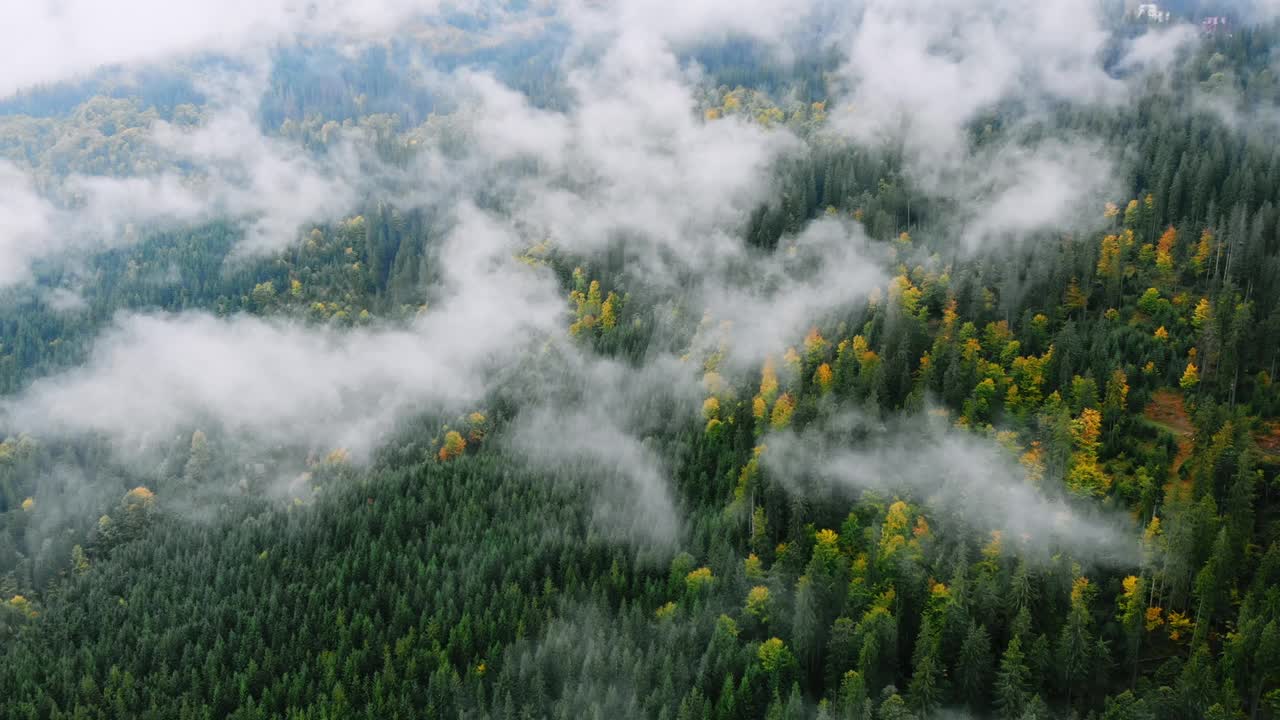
{"x":758,"y":604}
{"x":454,"y":445}
{"x":1074,"y":298}
{"x":822,"y":377}
{"x":768,"y":381}
{"x":1204,"y":248}
{"x":697,"y":581}
{"x":1164,"y":253}
{"x":1190,"y":377}
{"x":782,"y":411}
{"x":1085,"y":477}
{"x":1109,"y":257}
{"x":710,"y":408}
{"x":609,"y":312}
{"x":815,"y":346}
{"x":1117,"y":395}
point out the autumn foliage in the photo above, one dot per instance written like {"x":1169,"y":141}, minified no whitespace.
{"x":454,"y":446}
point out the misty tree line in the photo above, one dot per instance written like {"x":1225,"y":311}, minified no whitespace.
{"x":1130,"y":368}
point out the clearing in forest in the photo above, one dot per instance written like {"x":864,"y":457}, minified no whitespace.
{"x":1167,"y":410}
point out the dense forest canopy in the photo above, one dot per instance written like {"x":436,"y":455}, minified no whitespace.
{"x":719,"y":360}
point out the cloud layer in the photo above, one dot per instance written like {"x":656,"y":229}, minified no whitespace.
{"x":960,"y":476}
{"x":49,"y":41}
{"x":275,"y":382}
{"x":627,"y":163}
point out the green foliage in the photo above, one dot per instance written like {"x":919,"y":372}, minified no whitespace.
{"x":477,"y":588}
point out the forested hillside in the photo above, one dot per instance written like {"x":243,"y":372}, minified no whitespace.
{"x":542,"y":361}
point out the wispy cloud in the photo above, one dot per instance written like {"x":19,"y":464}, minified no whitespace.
{"x":963,"y":478}
{"x":628,"y":163}
{"x":49,"y":41}
{"x":280,"y":383}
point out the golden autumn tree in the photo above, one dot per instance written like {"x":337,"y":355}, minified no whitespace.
{"x":949,"y":317}
{"x":710,"y":408}
{"x":589,"y":305}
{"x":867,"y":358}
{"x":1032,"y":462}
{"x":782,"y":411}
{"x":768,"y":381}
{"x":609,"y":312}
{"x":1164,"y":252}
{"x":1190,"y":377}
{"x":697,"y":581}
{"x":1117,"y":394}
{"x":1204,"y":248}
{"x":665,"y":612}
{"x":594,"y":300}
{"x":477,"y":427}
{"x":905,"y":294}
{"x":1132,"y":214}
{"x":815,"y":346}
{"x":1074,"y":298}
{"x":774,"y":656}
{"x":1029,"y":376}
{"x":1131,"y":613}
{"x":22,"y":605}
{"x":1109,"y":257}
{"x":822,"y":377}
{"x":1085,"y":477}
{"x":893,"y":533}
{"x":1202,"y":313}
{"x":139,"y":498}
{"x":454,"y":445}
{"x":759,"y":605}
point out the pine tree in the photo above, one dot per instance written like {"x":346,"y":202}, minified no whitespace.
{"x":973,"y":666}
{"x":1012,"y":686}
{"x":927,"y":686}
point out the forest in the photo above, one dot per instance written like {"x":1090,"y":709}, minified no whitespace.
{"x":544,"y":360}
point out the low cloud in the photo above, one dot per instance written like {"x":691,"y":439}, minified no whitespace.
{"x":50,"y":41}
{"x":630,"y":158}
{"x":630,"y":164}
{"x":277,"y":382}
{"x":920,"y":72}
{"x":268,"y":185}
{"x":630,"y":483}
{"x":960,"y":476}
{"x":829,"y":266}
{"x":1249,"y":10}
{"x":1158,"y":48}
{"x":926,"y":76}
{"x":26,"y":225}
{"x":600,"y":420}
{"x":1016,"y":191}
